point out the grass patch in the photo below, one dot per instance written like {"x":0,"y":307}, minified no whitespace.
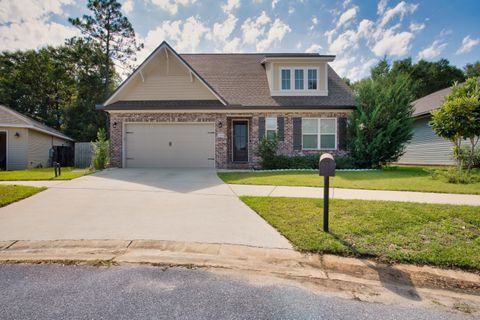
{"x":12,"y":193}
{"x":394,"y":178}
{"x":442,"y":235}
{"x":68,"y":173}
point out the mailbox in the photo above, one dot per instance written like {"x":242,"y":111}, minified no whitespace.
{"x":327,"y":165}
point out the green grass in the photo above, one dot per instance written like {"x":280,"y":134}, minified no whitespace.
{"x":12,"y":193}
{"x":41,"y":174}
{"x":395,"y":178}
{"x":442,"y":235}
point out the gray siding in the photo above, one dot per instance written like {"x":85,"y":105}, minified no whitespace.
{"x":426,"y":147}
{"x":39,"y":145}
{"x":17,"y":148}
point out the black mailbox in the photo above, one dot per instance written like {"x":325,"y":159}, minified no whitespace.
{"x":327,"y":165}
{"x":326,"y":168}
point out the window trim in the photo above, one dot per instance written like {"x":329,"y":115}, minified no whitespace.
{"x":319,"y":134}
{"x":266,"y":126}
{"x":305,"y":78}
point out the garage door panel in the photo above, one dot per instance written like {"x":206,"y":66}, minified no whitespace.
{"x":169,"y":145}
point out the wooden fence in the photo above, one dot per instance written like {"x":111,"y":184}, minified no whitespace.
{"x":83,"y":154}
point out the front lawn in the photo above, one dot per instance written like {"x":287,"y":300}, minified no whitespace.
{"x":41,"y":174}
{"x":442,"y":235}
{"x":12,"y":193}
{"x":395,"y":178}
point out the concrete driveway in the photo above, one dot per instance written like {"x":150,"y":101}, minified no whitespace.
{"x":162,"y":204}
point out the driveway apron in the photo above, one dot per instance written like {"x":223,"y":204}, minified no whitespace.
{"x":191,"y":205}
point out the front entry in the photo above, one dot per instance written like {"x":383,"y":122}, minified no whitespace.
{"x":3,"y":151}
{"x":240,"y":141}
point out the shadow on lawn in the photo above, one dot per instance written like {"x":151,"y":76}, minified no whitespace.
{"x":391,"y":278}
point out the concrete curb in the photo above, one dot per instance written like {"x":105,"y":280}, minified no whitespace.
{"x":284,"y":262}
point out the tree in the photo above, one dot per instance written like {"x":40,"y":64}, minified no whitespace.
{"x":381,"y":125}
{"x":100,"y":147}
{"x":428,"y":77}
{"x":472,"y":69}
{"x":113,"y":32}
{"x":459,"y":118}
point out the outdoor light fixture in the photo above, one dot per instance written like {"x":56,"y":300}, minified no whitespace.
{"x":17,"y":135}
{"x":220,"y":125}
{"x":114,"y":124}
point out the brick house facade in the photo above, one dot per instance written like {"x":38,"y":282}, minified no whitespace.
{"x":174,"y":103}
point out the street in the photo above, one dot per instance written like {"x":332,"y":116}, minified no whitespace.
{"x":141,"y":292}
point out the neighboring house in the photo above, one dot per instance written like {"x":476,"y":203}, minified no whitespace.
{"x":426,"y":147}
{"x":26,"y":143}
{"x":211,"y":110}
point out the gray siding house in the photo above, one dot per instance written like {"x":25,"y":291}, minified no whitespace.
{"x":426,"y":148}
{"x":26,"y":143}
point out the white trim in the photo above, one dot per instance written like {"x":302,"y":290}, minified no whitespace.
{"x":320,"y":59}
{"x":6,"y":149}
{"x":248,"y":140}
{"x":276,"y":125}
{"x":299,"y":92}
{"x":319,"y":134}
{"x":230,"y":111}
{"x":125,"y":123}
{"x":37,"y":129}
{"x":165,"y":46}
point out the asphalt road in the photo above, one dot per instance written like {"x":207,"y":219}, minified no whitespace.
{"x":128,"y":292}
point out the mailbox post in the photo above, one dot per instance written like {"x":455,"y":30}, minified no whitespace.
{"x":326,"y":168}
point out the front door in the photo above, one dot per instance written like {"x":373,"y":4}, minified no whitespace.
{"x":3,"y":151}
{"x":240,"y":141}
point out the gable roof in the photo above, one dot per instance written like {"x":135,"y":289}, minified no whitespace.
{"x":240,"y":80}
{"x":12,"y":118}
{"x":427,"y":104}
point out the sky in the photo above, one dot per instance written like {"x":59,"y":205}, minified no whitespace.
{"x":358,"y":32}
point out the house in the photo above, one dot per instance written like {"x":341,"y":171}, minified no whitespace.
{"x":211,"y":110}
{"x":426,"y":148}
{"x":26,"y":143}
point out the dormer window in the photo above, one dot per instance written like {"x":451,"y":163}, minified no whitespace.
{"x":299,"y":76}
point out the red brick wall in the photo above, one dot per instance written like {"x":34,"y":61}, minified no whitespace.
{"x":223,"y":128}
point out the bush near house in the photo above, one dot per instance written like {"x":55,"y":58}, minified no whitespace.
{"x":101,"y":146}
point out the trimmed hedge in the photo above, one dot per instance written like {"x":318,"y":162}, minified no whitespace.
{"x":304,"y":162}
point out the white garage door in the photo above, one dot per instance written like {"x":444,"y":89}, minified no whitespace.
{"x":170,"y":145}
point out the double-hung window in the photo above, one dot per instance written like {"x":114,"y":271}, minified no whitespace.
{"x":286,"y":75}
{"x":270,"y":127}
{"x":299,"y":79}
{"x":319,"y":133}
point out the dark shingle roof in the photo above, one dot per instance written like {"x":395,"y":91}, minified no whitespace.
{"x":241,"y":80}
{"x":32,"y":124}
{"x":427,"y":104}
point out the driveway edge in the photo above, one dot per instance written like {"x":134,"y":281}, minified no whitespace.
{"x":282,"y":262}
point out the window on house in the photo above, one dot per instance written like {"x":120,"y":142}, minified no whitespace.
{"x":312,"y":79}
{"x":298,"y":79}
{"x":286,"y":79}
{"x":319,"y":134}
{"x":270,"y":127}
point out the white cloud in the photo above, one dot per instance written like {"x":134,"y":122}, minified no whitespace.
{"x":314,"y":23}
{"x":434,"y":50}
{"x":274,"y":3}
{"x":314,"y":48}
{"x":341,"y":64}
{"x":291,"y":10}
{"x":415,"y":27}
{"x":391,"y":43}
{"x":401,"y":9}
{"x":127,"y":6}
{"x":230,"y":6}
{"x":467,"y":44}
{"x":348,"y":39}
{"x":382,"y":4}
{"x":183,"y":35}
{"x":252,"y":29}
{"x":298,"y":45}
{"x":361,"y":69}
{"x":171,"y":6}
{"x":232,"y":45}
{"x":221,"y":31}
{"x":277,"y":31}
{"x":347,"y":16}
{"x":28,"y":25}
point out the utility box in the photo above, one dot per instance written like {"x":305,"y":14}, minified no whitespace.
{"x":327,"y":165}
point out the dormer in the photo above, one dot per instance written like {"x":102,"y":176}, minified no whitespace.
{"x":297,"y":74}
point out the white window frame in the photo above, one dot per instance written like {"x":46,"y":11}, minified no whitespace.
{"x":305,"y":79}
{"x":271,"y":129}
{"x":319,"y":134}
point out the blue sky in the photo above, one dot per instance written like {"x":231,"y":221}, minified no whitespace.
{"x":358,"y":32}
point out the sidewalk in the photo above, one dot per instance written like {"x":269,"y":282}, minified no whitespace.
{"x":339,"y":193}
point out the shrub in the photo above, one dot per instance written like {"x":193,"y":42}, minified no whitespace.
{"x":464,"y":154}
{"x":453,"y":175}
{"x":100,"y":147}
{"x":267,"y":151}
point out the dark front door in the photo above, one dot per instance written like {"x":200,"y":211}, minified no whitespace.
{"x":3,"y":151}
{"x":240,"y":141}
